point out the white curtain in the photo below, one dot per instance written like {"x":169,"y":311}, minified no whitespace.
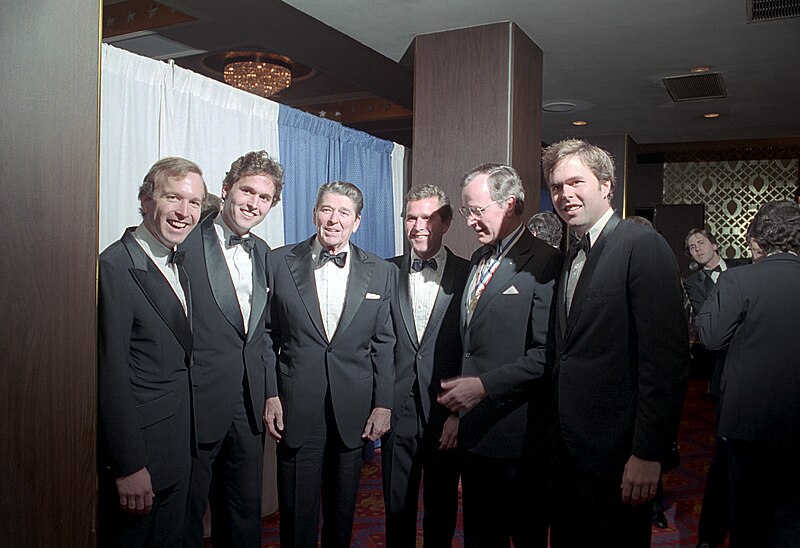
{"x":399,"y":189}
{"x":151,"y":109}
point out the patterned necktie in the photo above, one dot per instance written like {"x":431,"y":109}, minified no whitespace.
{"x":339,"y":259}
{"x":247,"y":243}
{"x":419,"y":265}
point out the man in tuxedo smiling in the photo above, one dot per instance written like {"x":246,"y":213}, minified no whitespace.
{"x":330,"y":367}
{"x":144,"y":363}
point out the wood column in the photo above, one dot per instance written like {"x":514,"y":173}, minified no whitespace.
{"x":623,"y":148}
{"x":48,"y":248}
{"x":477,"y":98}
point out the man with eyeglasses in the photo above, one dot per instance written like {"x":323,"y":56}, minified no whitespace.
{"x":506,"y":329}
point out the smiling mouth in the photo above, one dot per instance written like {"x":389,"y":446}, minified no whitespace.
{"x":178,"y":225}
{"x":248,"y":213}
{"x":569,"y":208}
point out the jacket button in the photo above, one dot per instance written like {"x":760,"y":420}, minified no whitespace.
{"x":330,"y":349}
{"x":467,"y":355}
{"x":564,"y":357}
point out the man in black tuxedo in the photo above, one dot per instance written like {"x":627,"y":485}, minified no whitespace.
{"x":426,"y":316}
{"x":330,"y":367}
{"x":144,"y":363}
{"x":621,"y":365}
{"x":702,"y":247}
{"x":506,"y":322}
{"x":754,"y":312}
{"x":226,"y":266}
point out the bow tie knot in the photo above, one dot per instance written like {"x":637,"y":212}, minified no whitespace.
{"x":717,"y":268}
{"x":418,"y":265}
{"x":176,"y":257}
{"x":583,"y":244}
{"x":339,"y":259}
{"x":247,"y":243}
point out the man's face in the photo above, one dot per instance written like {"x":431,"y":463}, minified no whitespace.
{"x":578,"y":197}
{"x":702,"y":250}
{"x":174,"y":208}
{"x":495,"y":220}
{"x":247,"y":202}
{"x":425,"y":227}
{"x":335,"y":218}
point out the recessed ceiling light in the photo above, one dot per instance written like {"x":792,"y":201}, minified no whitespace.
{"x":558,"y":106}
{"x":711,"y":115}
{"x":579,"y":123}
{"x":699,"y":69}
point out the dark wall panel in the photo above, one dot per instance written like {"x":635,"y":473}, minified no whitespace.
{"x":48,"y":250}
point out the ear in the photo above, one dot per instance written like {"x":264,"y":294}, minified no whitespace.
{"x":446,"y":225}
{"x":314,"y":216}
{"x":224,"y":192}
{"x":146,"y":204}
{"x":606,"y":186}
{"x":511,"y":205}
{"x":356,"y":223}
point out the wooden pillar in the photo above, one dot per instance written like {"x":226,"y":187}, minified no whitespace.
{"x":477,"y":98}
{"x":48,"y":221}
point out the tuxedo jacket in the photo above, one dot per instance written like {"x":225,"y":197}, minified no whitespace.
{"x":508,"y":344}
{"x":427,"y":361}
{"x":754,"y":312}
{"x":622,"y":360}
{"x":698,"y":285}
{"x":224,"y":352}
{"x":144,"y":355}
{"x":355,"y":364}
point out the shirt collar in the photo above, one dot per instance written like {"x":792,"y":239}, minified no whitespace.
{"x":505,"y":243}
{"x":597,"y":228}
{"x":223,"y":230}
{"x":440,"y":257}
{"x":316,"y":249}
{"x":151,"y":245}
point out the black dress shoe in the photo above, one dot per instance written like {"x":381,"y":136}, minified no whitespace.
{"x":659,"y":519}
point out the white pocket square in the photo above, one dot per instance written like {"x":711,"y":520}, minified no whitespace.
{"x":372,"y":296}
{"x":511,"y":291}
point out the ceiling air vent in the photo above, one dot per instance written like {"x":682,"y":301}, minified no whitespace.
{"x":772,"y":10}
{"x":695,"y":86}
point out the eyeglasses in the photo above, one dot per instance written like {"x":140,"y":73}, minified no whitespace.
{"x":475,"y":211}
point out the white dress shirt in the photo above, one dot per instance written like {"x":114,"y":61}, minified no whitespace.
{"x":159,"y":254}
{"x":713,"y":273}
{"x":331,"y":287}
{"x":240,"y":268}
{"x":580,"y":259}
{"x":423,"y":287}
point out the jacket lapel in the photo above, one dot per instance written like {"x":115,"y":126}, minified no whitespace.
{"x":361,"y":269}
{"x":219,"y":277}
{"x":303,"y":274}
{"x":158,"y":292}
{"x":588,"y":271}
{"x":258,"y":256}
{"x":443,"y":298}
{"x":404,"y":296}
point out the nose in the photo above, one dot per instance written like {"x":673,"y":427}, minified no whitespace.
{"x":183,"y":209}
{"x":419,"y":223}
{"x":472,"y":220}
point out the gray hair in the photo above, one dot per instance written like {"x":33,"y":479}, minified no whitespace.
{"x":343,"y":188}
{"x":504,"y":182}
{"x":420,"y":192}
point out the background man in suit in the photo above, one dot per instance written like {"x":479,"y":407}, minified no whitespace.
{"x":702,"y":247}
{"x":622,"y":358}
{"x":226,"y":263}
{"x":506,"y":327}
{"x":330,"y":371}
{"x":754,"y":311}
{"x":144,"y":359}
{"x":423,"y":435}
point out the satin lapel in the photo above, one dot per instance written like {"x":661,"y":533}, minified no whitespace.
{"x":708,"y":284}
{"x":361,"y":269}
{"x":588,"y":272}
{"x":219,"y":278}
{"x":258,"y":256}
{"x":511,"y":265}
{"x":561,"y":302}
{"x":187,"y":292}
{"x":443,"y":298}
{"x":158,"y":292}
{"x":303,"y":274}
{"x":404,"y":296}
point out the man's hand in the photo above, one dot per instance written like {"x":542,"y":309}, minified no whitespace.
{"x":135,"y":492}
{"x":461,"y":393}
{"x":640,"y":480}
{"x":273,"y":417}
{"x":449,"y":433}
{"x":377,"y":423}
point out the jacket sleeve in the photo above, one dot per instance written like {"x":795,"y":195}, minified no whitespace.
{"x":383,"y":341}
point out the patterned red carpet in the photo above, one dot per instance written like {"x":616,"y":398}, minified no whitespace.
{"x":683,"y":486}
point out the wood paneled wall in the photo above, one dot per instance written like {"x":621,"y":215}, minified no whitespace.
{"x":48,"y":250}
{"x":477,"y":98}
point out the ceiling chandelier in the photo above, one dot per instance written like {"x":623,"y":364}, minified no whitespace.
{"x":261,"y":74}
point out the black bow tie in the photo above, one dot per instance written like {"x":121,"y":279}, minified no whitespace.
{"x":717,"y":268}
{"x":247,"y":243}
{"x":583,"y":244}
{"x":176,"y":257}
{"x":339,"y":259}
{"x":418,"y":265}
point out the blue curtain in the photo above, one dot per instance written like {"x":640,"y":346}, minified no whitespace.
{"x":315,"y":151}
